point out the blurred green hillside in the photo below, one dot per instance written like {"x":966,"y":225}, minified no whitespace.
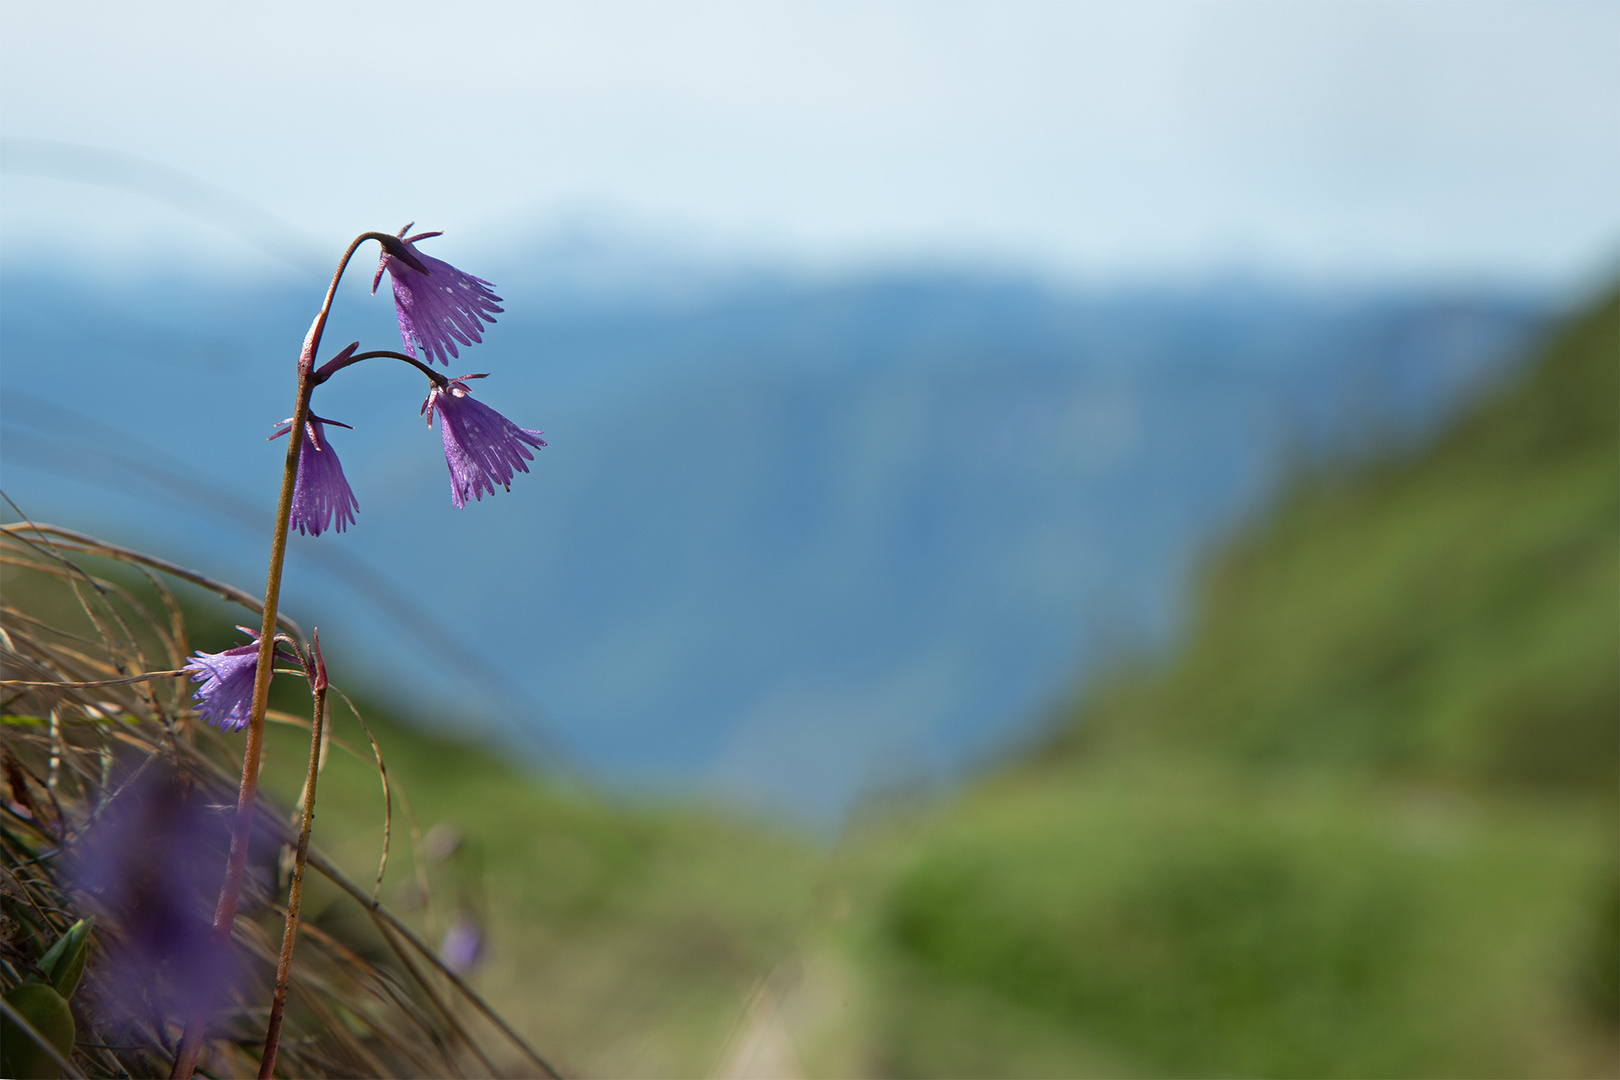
{"x":1362,"y":823}
{"x":1449,"y":619}
{"x":621,"y":940}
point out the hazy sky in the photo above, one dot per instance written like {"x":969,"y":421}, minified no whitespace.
{"x":1366,"y":139}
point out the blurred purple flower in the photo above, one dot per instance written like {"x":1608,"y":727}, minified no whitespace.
{"x":226,"y":694}
{"x":152,"y":862}
{"x":463,"y":944}
{"x":481,"y":446}
{"x":321,"y":495}
{"x":439,"y":308}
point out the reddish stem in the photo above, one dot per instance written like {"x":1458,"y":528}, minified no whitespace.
{"x":295,"y":894}
{"x":338,"y":363}
{"x":185,"y":1059}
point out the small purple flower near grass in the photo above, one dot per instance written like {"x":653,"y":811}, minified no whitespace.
{"x":481,"y":446}
{"x":151,"y":863}
{"x":439,"y":308}
{"x":321,"y":496}
{"x":226,"y":693}
{"x":463,"y":944}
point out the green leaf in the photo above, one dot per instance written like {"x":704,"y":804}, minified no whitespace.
{"x":64,"y":962}
{"x":48,"y":1013}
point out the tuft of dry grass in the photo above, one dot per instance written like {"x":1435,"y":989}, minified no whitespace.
{"x":94,"y":704}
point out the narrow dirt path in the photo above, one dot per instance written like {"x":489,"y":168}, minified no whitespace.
{"x":763,"y":1047}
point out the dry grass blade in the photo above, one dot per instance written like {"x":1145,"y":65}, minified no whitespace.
{"x":388,"y":800}
{"x":150,"y":676}
{"x":69,"y":540}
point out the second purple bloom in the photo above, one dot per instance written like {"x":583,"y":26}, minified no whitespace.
{"x":437,"y":309}
{"x":226,"y":693}
{"x":482,"y":447}
{"x":322,"y":497}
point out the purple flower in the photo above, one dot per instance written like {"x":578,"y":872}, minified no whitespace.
{"x":152,"y":862}
{"x":439,"y":308}
{"x":463,"y":944}
{"x":321,"y":496}
{"x":481,"y":446}
{"x":226,"y":693}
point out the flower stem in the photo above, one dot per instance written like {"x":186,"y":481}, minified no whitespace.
{"x":295,"y":894}
{"x":185,"y":1059}
{"x":332,"y":367}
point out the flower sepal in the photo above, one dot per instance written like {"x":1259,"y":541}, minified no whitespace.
{"x":337,"y":363}
{"x":400,"y":248}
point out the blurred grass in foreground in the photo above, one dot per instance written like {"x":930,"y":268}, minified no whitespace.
{"x":624,"y":940}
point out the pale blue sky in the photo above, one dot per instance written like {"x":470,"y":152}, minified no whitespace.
{"x":1367,"y":140}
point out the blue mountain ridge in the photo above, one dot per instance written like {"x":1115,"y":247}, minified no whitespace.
{"x":792,"y":540}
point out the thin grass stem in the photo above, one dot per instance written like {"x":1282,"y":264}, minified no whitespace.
{"x":90,"y":545}
{"x":388,"y":801}
{"x":149,"y":676}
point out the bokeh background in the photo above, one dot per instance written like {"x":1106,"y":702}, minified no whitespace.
{"x":1076,"y":538}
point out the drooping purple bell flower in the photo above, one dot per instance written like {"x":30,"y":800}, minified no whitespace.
{"x":481,"y":446}
{"x":439,"y":308}
{"x":226,"y":694}
{"x":321,"y":495}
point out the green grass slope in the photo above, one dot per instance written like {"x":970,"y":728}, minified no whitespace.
{"x":1362,"y":824}
{"x":1451,"y":618}
{"x":621,"y":940}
